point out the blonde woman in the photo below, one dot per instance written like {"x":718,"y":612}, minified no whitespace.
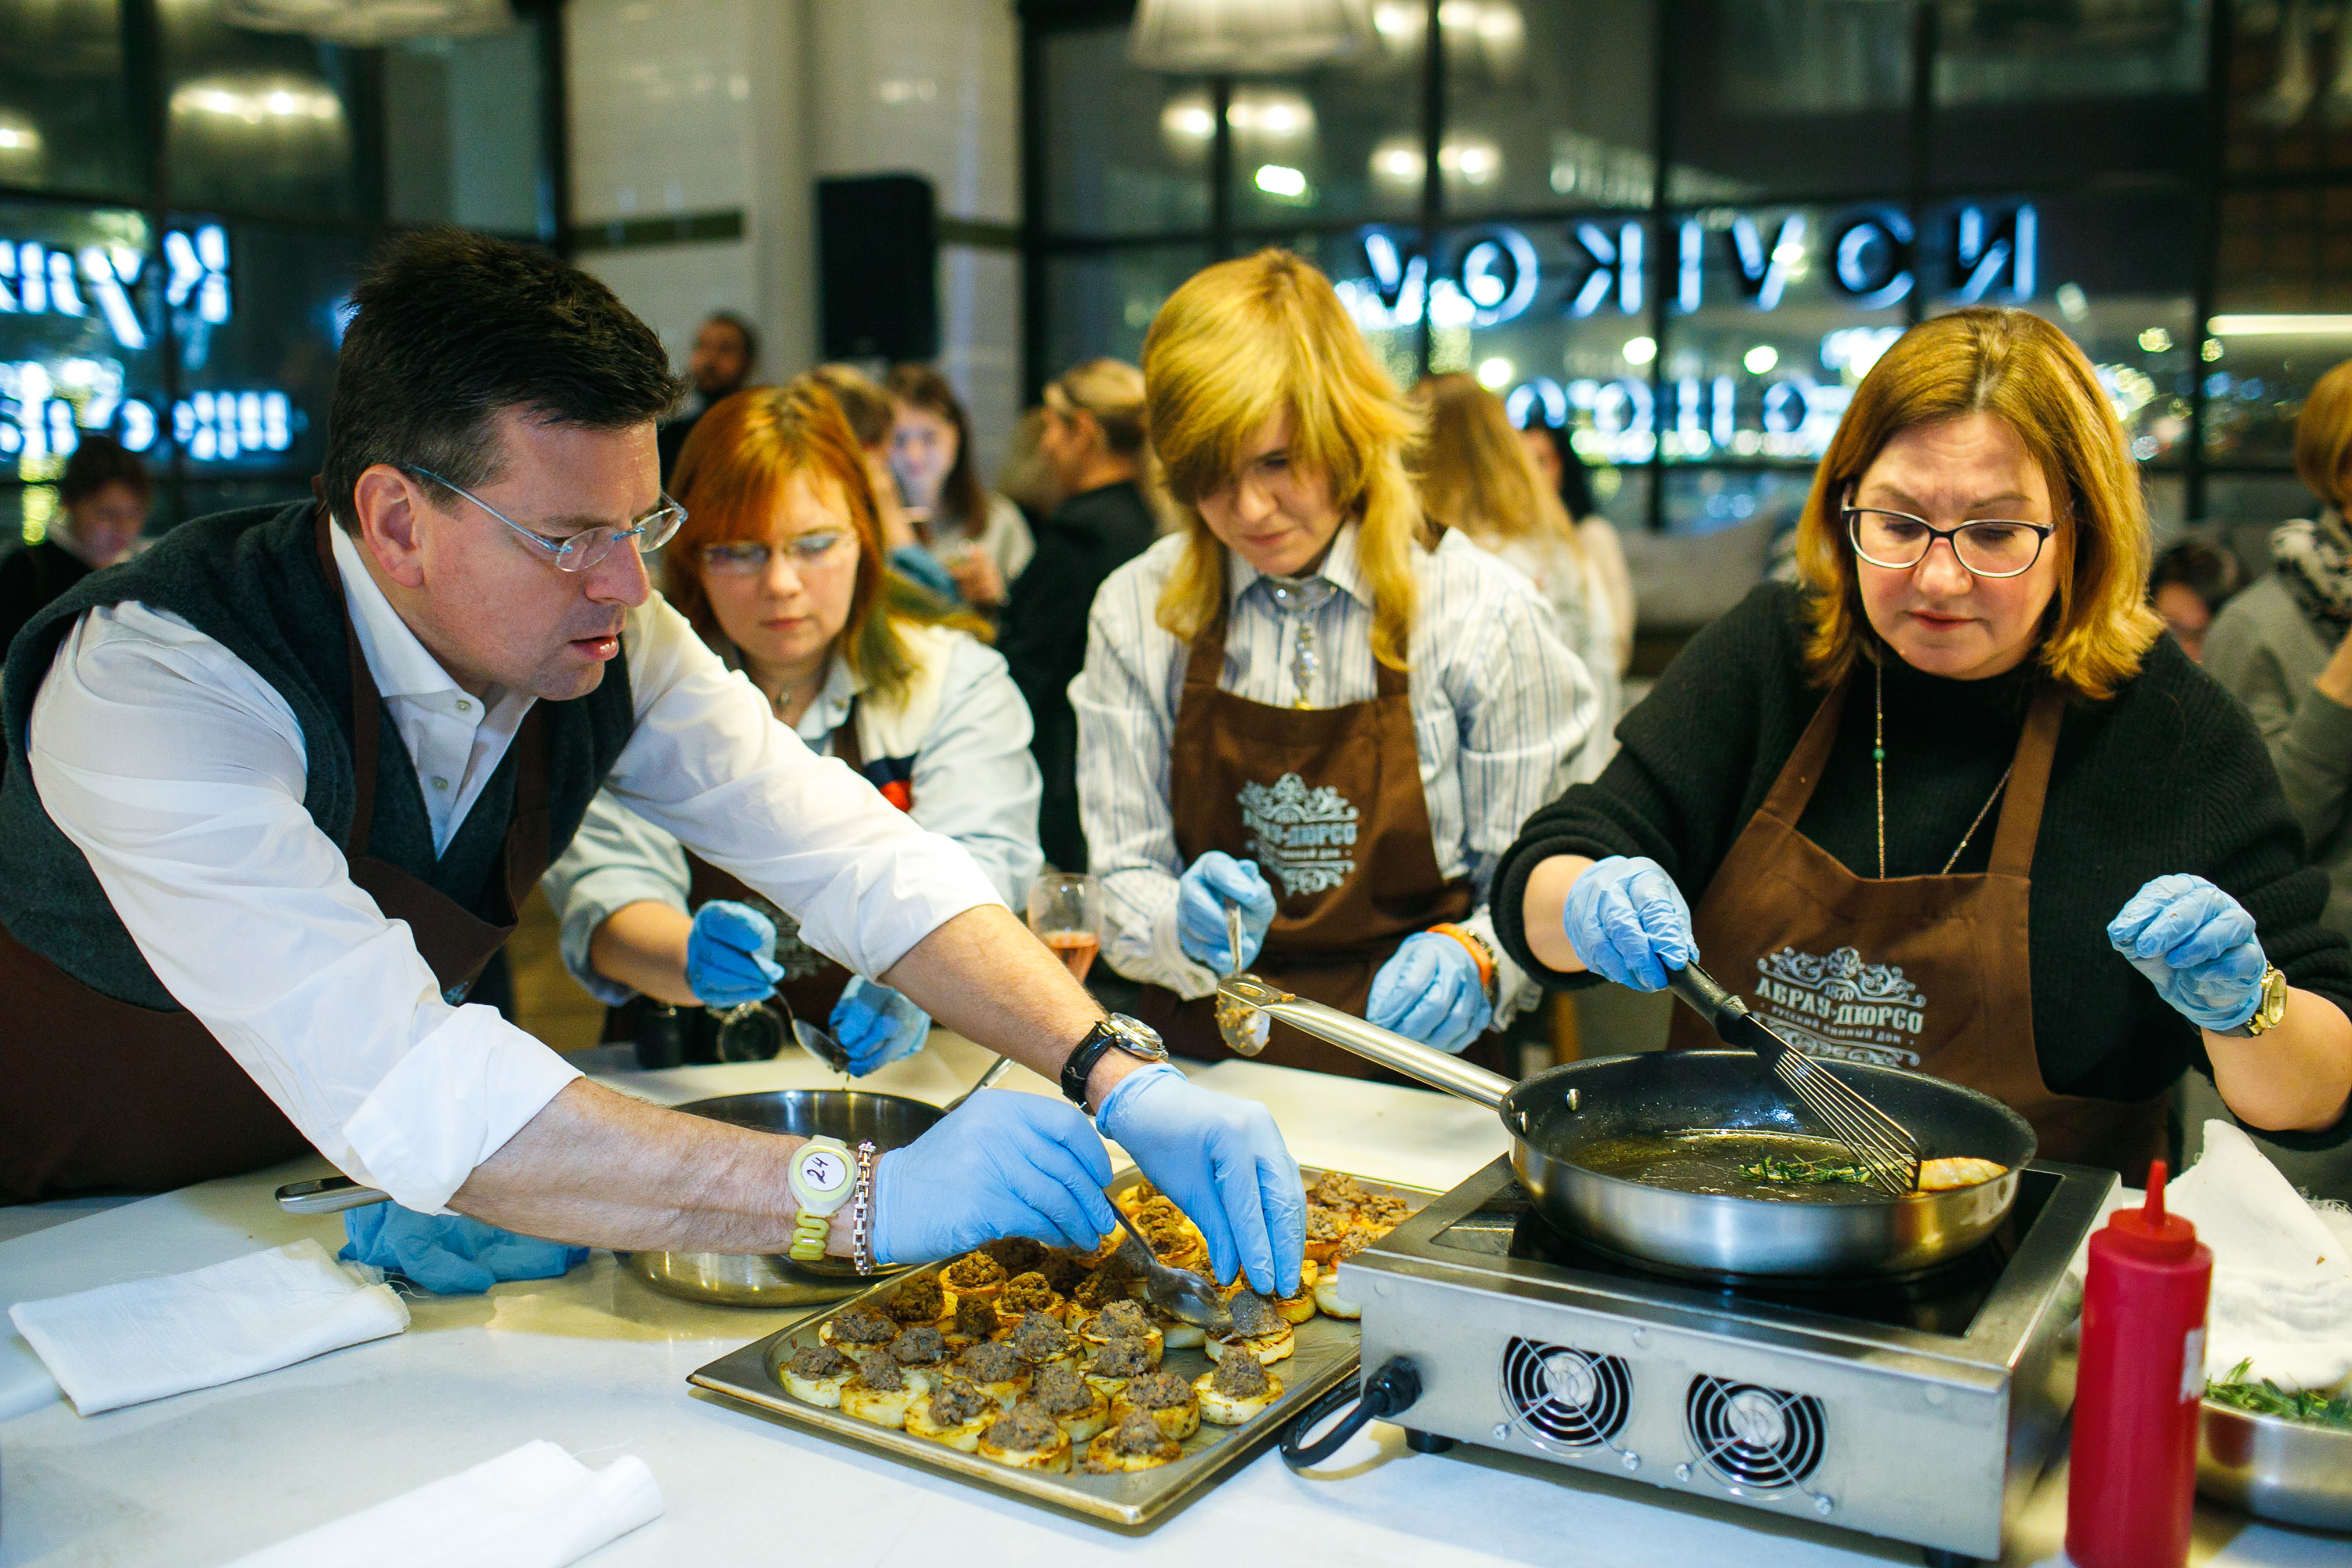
{"x":1476,"y":476}
{"x":1953,"y":803}
{"x":1307,"y":704}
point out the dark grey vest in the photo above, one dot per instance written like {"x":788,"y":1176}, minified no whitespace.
{"x":251,"y":580}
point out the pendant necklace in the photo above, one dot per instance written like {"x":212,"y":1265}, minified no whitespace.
{"x":1298,"y":598}
{"x":1878,"y":761}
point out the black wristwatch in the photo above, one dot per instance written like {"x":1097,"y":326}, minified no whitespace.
{"x":1117,"y":1032}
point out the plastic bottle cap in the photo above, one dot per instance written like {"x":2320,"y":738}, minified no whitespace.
{"x":2147,"y":1232}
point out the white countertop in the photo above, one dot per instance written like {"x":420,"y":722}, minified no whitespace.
{"x":598,"y":1363}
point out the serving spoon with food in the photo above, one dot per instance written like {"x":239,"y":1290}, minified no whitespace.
{"x":1181,"y":1293}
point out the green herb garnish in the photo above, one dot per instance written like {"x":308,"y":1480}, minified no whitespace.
{"x":1804,"y":1173}
{"x":2267,"y":1398}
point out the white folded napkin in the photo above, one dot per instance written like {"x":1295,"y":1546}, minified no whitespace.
{"x":144,"y":1338}
{"x":537,"y":1507}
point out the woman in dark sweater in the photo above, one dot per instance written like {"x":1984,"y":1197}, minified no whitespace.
{"x":1937,"y":806}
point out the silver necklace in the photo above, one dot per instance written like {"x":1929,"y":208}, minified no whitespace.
{"x":1878,"y":761}
{"x":1298,"y":598}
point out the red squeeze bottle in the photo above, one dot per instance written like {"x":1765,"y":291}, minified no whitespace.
{"x":2133,"y":1477}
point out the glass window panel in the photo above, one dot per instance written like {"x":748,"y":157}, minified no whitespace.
{"x":1341,"y":143}
{"x":1548,"y":102}
{"x":204,"y":496}
{"x":258,"y":366}
{"x":1374,"y":272}
{"x":1141,"y":169}
{"x":1762,"y":503}
{"x":1102,"y":303}
{"x":1789,"y":97}
{"x":65,"y":119}
{"x":462,"y":134}
{"x":2290,"y":102}
{"x":77,"y":339}
{"x":2244,"y":508}
{"x":2067,"y":91}
{"x":258,"y":121}
{"x":2258,"y":371}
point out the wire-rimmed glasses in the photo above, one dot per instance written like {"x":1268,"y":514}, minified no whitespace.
{"x":749,"y":557}
{"x":1985,"y":547}
{"x":579,"y":552}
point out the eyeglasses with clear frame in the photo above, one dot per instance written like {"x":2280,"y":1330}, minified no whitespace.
{"x":749,"y":558}
{"x":1985,"y":547}
{"x":581,"y":551}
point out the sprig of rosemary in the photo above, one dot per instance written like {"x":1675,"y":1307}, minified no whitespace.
{"x":2267,"y":1398}
{"x":1803,"y":1173}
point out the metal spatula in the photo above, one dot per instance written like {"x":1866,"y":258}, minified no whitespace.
{"x":1883,"y":1148}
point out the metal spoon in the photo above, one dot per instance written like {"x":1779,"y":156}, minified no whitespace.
{"x":1179,"y":1292}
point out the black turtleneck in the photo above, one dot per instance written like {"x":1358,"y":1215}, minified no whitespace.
{"x":2168,"y":775}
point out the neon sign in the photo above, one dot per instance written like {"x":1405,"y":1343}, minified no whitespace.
{"x":46,"y":404}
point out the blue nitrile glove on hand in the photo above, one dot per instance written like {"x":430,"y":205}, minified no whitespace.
{"x":1627,"y":921}
{"x":1211,"y":883}
{"x":1223,"y":1161}
{"x":1004,"y":1164}
{"x":448,"y":1254}
{"x":878,"y":1025}
{"x":2197,"y":945}
{"x":728,"y":955}
{"x":1429,"y":991}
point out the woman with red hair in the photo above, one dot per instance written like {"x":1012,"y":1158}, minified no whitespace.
{"x":780,"y":567}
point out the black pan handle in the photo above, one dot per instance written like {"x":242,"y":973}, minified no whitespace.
{"x":1733,"y":1024}
{"x":1389,"y":1392}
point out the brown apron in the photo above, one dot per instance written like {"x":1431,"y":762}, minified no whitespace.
{"x":149,"y":1100}
{"x":1930,"y":974}
{"x":1329,"y":802}
{"x":812,"y":983}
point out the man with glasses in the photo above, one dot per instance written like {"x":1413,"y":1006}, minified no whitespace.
{"x":280,"y":784}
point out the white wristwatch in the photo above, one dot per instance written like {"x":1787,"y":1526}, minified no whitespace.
{"x":822,"y":1175}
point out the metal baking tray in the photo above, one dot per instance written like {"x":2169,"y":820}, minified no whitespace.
{"x":1327,"y":1353}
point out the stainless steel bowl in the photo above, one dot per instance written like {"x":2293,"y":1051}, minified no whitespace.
{"x":759,"y":1279}
{"x":2291,"y":1471}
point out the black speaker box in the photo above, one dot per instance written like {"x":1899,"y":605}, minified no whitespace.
{"x":877,"y":266}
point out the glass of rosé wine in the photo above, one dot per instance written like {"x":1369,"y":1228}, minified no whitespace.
{"x":1065,"y":912}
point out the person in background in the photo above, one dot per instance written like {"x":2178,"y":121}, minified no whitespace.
{"x":1092,"y":440}
{"x":726,"y":351}
{"x":778,"y":566}
{"x":1024,"y":478}
{"x":982,"y":539}
{"x":1556,"y":460}
{"x":102,"y":501}
{"x":1476,"y":476}
{"x":1309,"y":706}
{"x":2189,"y":584}
{"x":871,"y":419}
{"x":2280,"y":647}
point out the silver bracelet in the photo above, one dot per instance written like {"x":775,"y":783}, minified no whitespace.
{"x":861,"y":1210}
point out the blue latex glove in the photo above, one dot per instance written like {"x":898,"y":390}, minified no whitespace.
{"x":448,"y":1254}
{"x":1208,"y":885}
{"x":1627,"y":921}
{"x":1223,"y":1161}
{"x":1004,"y":1164}
{"x":1429,"y":991}
{"x":2197,"y":945}
{"x":878,"y":1025}
{"x":728,"y":960}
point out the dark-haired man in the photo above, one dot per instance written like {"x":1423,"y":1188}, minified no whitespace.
{"x":725,"y":350}
{"x":279,"y":783}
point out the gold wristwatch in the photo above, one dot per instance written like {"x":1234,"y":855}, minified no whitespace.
{"x":2269,"y":1010}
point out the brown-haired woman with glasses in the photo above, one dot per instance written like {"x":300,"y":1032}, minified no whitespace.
{"x":1952,"y":804}
{"x":781,"y":568}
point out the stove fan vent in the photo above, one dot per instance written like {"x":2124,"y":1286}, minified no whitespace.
{"x":1566,"y":1397}
{"x":1754,"y":1436}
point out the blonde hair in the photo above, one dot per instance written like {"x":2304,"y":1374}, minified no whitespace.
{"x":1475,"y":474}
{"x":1238,"y":344}
{"x":2027,"y":373}
{"x":2322,"y":435}
{"x":1112,"y":391}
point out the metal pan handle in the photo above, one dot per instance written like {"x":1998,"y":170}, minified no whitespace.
{"x":1372,"y":1042}
{"x":330,"y":1195}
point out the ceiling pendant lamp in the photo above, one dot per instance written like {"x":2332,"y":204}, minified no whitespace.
{"x":1247,"y":37}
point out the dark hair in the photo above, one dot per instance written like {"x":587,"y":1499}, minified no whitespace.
{"x":925,"y":388}
{"x":743,"y":329}
{"x":100,"y":461}
{"x":449,"y":328}
{"x":1575,"y":478}
{"x":864,"y":404}
{"x":2205,"y":570}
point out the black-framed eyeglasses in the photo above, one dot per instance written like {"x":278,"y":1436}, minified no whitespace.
{"x":1985,"y":547}
{"x":581,"y":551}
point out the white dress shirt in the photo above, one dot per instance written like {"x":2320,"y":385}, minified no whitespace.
{"x":975,"y":781}
{"x":1501,"y":709}
{"x":179,"y":772}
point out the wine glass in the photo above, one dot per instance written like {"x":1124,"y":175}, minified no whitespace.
{"x":1065,"y":912}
